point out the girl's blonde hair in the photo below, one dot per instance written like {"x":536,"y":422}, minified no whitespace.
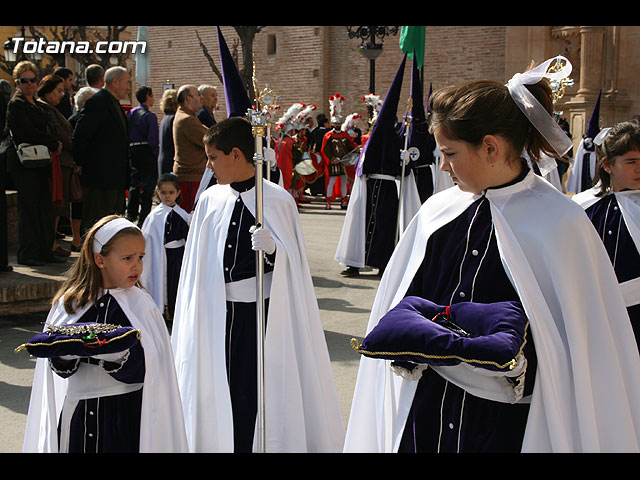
{"x":84,"y":280}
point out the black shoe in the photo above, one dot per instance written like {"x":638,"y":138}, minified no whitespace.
{"x":74,"y":248}
{"x":31,"y":262}
{"x":6,"y":268}
{"x":61,"y":252}
{"x":350,"y":272}
{"x":60,"y":236}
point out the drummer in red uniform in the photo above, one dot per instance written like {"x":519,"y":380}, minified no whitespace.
{"x":336,"y":144}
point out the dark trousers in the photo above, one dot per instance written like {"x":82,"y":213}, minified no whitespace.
{"x":98,"y":203}
{"x":35,"y":214}
{"x":242,"y":371}
{"x":4,"y":233}
{"x":144,"y":175}
{"x":381,"y":219}
{"x":424,"y":182}
{"x":174,"y":264}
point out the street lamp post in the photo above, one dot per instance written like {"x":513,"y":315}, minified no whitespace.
{"x":370,"y":49}
{"x":11,"y":57}
{"x":9,"y":49}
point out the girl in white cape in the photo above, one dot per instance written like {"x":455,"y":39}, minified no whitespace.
{"x":165,"y":230}
{"x":504,"y":234}
{"x":126,"y":401}
{"x":613,"y":206}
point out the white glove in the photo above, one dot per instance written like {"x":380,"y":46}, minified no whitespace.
{"x":405,"y":157}
{"x":269,"y":155}
{"x":261,"y":240}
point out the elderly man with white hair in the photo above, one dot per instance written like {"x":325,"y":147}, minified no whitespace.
{"x":100,"y":146}
{"x":209,"y":103}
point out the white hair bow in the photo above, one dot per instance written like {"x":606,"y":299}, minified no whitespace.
{"x":600,"y":137}
{"x":537,"y":115}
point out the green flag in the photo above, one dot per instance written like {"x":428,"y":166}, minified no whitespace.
{"x":412,"y":38}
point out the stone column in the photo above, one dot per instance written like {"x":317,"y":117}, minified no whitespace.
{"x":591,"y":60}
{"x":591,"y":79}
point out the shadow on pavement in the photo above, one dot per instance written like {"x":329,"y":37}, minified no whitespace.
{"x":339,"y":345}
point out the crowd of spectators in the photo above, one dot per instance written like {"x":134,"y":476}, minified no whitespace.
{"x":105,"y":157}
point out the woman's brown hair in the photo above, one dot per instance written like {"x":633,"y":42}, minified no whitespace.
{"x":48,"y":84}
{"x":622,"y":138}
{"x":84,"y":279}
{"x":474,"y":109}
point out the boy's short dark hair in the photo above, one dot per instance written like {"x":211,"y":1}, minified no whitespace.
{"x":142,"y":93}
{"x":232,"y":132}
{"x":63,"y":72}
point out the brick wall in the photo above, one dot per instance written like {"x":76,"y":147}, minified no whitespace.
{"x":313,"y":62}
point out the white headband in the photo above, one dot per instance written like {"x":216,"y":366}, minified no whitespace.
{"x":108,"y":230}
{"x":600,"y":137}
{"x":537,"y":115}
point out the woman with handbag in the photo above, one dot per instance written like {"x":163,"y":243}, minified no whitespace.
{"x":50,"y":92}
{"x":28,"y":124}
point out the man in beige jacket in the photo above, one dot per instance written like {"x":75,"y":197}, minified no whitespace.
{"x":190,"y":158}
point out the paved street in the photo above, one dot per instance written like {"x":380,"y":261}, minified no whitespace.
{"x":344,"y":306}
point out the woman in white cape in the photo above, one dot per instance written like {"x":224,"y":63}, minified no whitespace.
{"x":161,"y":422}
{"x":585,"y":397}
{"x":613,"y":206}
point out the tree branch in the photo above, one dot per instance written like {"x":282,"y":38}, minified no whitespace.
{"x":205,"y":52}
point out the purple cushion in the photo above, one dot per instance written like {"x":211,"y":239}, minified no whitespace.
{"x":490,"y":335}
{"x":81,"y":339}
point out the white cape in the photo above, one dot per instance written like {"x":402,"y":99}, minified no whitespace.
{"x":301,"y":401}
{"x":629,"y":203}
{"x":548,"y":169}
{"x":574,"y":182}
{"x":154,"y":271}
{"x":585,"y":397}
{"x":441,"y":179}
{"x":161,"y":426}
{"x":204,"y":184}
{"x":351,"y":249}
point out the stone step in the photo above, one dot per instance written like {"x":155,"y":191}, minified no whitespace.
{"x":28,"y":289}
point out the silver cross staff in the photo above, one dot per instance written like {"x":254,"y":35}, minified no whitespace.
{"x":258,"y":119}
{"x":268,"y":99}
{"x":403,"y":153}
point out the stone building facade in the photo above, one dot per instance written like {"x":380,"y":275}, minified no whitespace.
{"x":310,"y":63}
